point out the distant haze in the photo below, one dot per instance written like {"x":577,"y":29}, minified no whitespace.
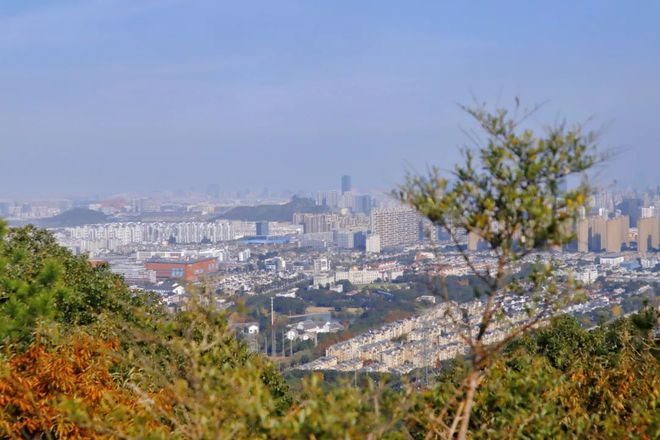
{"x":136,"y":95}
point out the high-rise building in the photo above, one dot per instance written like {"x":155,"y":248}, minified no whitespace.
{"x":631,"y":207}
{"x":262,"y":228}
{"x":321,"y":265}
{"x":472,"y":241}
{"x":360,"y":240}
{"x":597,"y":233}
{"x":372,"y":244}
{"x":395,"y":226}
{"x":648,"y":234}
{"x":345,"y":239}
{"x":345,"y":183}
{"x":362,"y":204}
{"x":313,"y":223}
{"x":650,"y":211}
{"x":347,"y":201}
{"x":583,"y":235}
{"x":329,"y":199}
{"x":617,"y":233}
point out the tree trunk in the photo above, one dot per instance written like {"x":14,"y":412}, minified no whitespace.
{"x":472,"y":382}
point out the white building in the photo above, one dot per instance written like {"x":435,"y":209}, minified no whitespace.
{"x":125,"y":233}
{"x":321,"y":265}
{"x":373,"y":244}
{"x":395,"y":226}
{"x":276,"y":264}
{"x":244,"y":255}
{"x":610,"y":260}
{"x":358,"y":276}
{"x":587,"y":275}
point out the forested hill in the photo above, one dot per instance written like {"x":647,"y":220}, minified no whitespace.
{"x":73,"y":217}
{"x":281,"y":213}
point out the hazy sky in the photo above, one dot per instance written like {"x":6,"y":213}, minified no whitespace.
{"x":134,"y":95}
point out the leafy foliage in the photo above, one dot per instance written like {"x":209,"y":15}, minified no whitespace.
{"x":42,"y":282}
{"x":562,"y":381}
{"x":61,"y":391}
{"x":510,"y":197}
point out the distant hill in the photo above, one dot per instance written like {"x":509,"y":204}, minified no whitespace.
{"x":73,"y":217}
{"x":275,"y":213}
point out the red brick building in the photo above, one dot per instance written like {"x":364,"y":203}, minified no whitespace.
{"x":188,"y":270}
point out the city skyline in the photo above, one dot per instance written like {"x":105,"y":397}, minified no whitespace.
{"x":296,"y":219}
{"x":287,"y":96}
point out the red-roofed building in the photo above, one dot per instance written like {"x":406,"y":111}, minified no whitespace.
{"x":188,"y":270}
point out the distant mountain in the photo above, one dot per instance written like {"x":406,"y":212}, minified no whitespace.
{"x":275,"y":213}
{"x":74,"y":217}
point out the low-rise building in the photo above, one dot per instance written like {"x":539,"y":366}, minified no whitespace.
{"x":188,"y":270}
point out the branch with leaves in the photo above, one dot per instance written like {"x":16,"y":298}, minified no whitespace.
{"x":508,"y":192}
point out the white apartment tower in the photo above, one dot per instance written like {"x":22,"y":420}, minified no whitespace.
{"x":395,"y":226}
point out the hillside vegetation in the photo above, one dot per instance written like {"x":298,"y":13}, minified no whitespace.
{"x":276,"y":213}
{"x":73,"y":217}
{"x":85,"y":357}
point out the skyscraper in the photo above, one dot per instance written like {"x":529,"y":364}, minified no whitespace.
{"x":631,"y":207}
{"x":597,"y":233}
{"x":473,"y":241}
{"x":362,"y":204}
{"x":262,"y":228}
{"x":327,"y":198}
{"x":395,"y":226}
{"x":648,"y":235}
{"x":345,"y":183}
{"x":617,"y":233}
{"x":583,"y":235}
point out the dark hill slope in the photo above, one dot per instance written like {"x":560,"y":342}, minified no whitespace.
{"x":277,"y":213}
{"x":74,"y":217}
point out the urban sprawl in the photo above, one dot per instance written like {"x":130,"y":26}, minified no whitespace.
{"x":334,"y":248}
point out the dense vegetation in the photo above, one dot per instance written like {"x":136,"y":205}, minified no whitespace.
{"x":83,"y":356}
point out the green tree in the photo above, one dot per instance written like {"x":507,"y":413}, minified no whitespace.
{"x":42,"y":282}
{"x":559,"y":381}
{"x":508,"y":194}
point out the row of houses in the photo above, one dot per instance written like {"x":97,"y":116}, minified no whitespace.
{"x":412,"y":343}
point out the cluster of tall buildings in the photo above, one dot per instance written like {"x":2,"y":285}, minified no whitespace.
{"x":598,"y":233}
{"x":28,"y":210}
{"x":370,"y":228}
{"x":328,"y":222}
{"x":112,"y":235}
{"x":384,"y":228}
{"x":345,"y":199}
{"x":356,"y":203}
{"x":615,"y":224}
{"x":634,"y":221}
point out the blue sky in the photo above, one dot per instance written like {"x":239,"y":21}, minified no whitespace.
{"x":135,"y":95}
